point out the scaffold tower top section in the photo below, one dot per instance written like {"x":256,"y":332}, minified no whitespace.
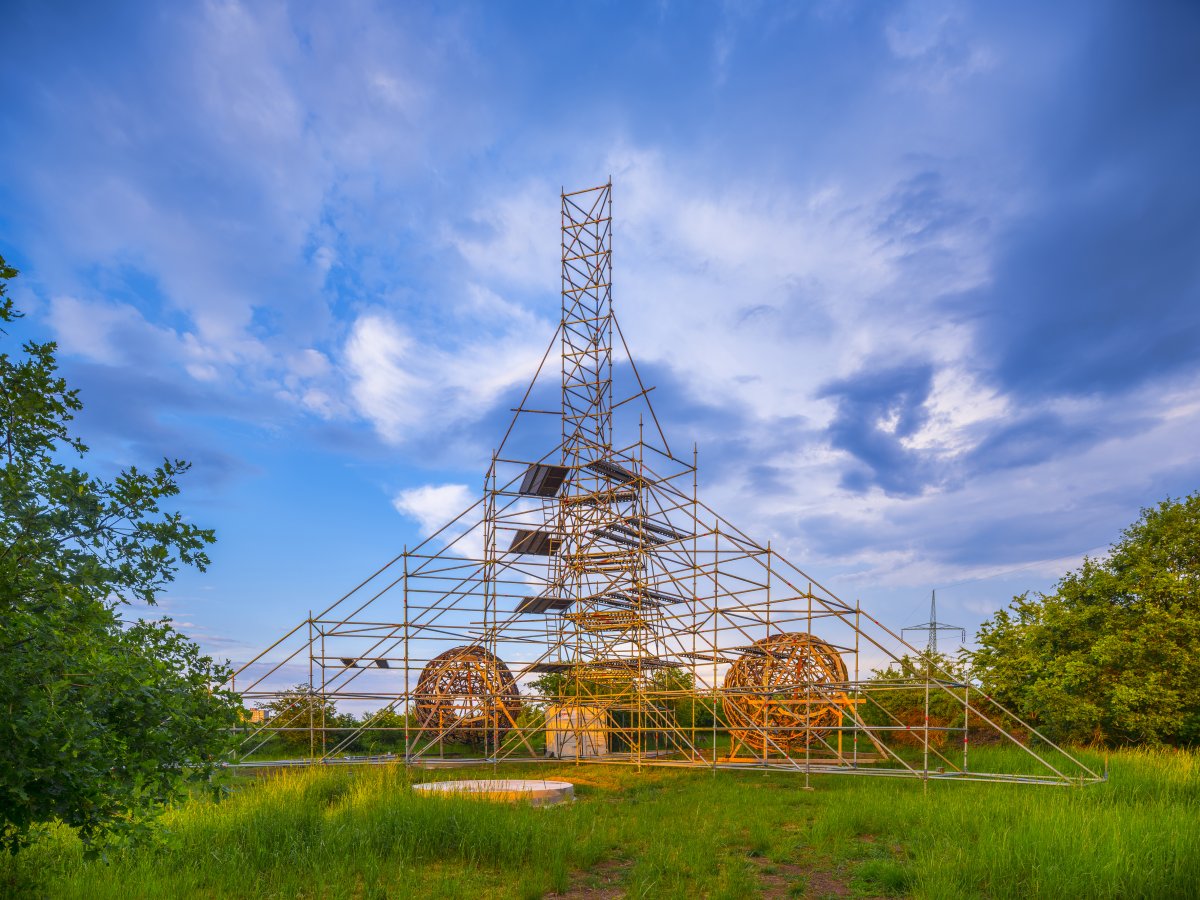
{"x":587,"y":325}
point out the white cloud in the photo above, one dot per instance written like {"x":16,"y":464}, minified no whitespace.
{"x":514,"y":238}
{"x":907,"y":541}
{"x":104,"y":332}
{"x":932,"y":39}
{"x":956,"y":403}
{"x":381,"y":358}
{"x":407,"y":387}
{"x":918,"y":29}
{"x":435,"y":506}
{"x":118,"y":335}
{"x":754,"y":294}
{"x":234,"y":186}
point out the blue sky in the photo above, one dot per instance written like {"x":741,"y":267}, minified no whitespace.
{"x":921,"y":280}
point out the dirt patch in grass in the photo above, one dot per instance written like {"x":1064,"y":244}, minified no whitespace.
{"x":823,"y":883}
{"x":779,"y":880}
{"x":601,"y":882}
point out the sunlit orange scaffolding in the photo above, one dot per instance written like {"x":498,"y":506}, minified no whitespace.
{"x":658,"y":632}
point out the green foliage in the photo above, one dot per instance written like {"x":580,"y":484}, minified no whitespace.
{"x":897,"y":696}
{"x":551,"y":685}
{"x":563,"y":686}
{"x":299,"y":714}
{"x":104,"y":721}
{"x":385,"y":731}
{"x":675,"y":688}
{"x":1112,"y":655}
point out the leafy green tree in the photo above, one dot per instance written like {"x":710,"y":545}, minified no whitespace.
{"x":384,"y":730}
{"x":676,"y":688}
{"x":342,"y":734}
{"x":552,"y":685}
{"x":673,"y":687}
{"x":104,"y":720}
{"x":896,"y":696}
{"x":1113,"y":655}
{"x":296,"y":717}
{"x":561,"y":686}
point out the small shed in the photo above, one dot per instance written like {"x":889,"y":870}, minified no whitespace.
{"x":574,"y":731}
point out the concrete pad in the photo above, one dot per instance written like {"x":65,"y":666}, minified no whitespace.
{"x":535,"y":791}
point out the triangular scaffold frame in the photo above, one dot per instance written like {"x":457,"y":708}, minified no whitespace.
{"x":589,"y":606}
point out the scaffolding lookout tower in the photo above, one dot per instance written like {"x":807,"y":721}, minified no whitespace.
{"x":589,"y":605}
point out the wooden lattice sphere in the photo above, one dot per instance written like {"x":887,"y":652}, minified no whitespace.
{"x":468,"y":695}
{"x":784,"y":690}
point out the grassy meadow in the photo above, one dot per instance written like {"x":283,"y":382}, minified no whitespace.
{"x":360,"y":832}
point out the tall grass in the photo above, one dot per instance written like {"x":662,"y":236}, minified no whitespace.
{"x":362,"y":833}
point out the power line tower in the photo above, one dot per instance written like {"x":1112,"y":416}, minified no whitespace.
{"x":933,"y":626}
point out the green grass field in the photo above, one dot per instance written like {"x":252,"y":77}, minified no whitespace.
{"x":360,"y":832}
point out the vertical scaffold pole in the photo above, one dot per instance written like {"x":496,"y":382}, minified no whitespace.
{"x":857,"y":695}
{"x":966,"y":717}
{"x":312,"y":736}
{"x":324,"y":731}
{"x":767,"y":704}
{"x":491,"y":635}
{"x":695,"y":611}
{"x":925,"y":762}
{"x":808,"y":698}
{"x":716,"y":579}
{"x":408,"y":704}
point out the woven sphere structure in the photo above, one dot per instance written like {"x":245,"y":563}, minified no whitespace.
{"x":783,"y":691}
{"x":467,"y":694}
